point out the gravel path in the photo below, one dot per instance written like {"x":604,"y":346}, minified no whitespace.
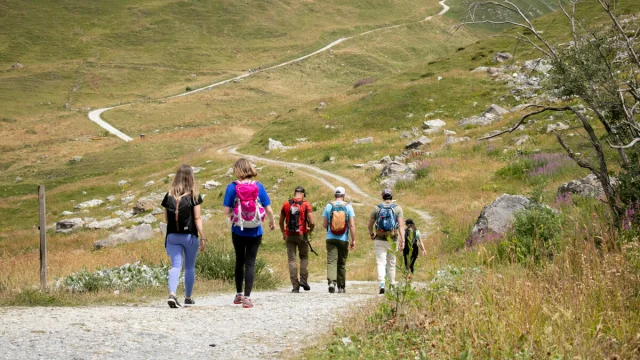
{"x":213,"y":329}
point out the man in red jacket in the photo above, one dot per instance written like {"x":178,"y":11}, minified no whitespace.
{"x":296,"y":221}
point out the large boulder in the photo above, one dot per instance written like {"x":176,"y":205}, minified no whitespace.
{"x":587,"y":186}
{"x":105,"y":224}
{"x":144,"y":205}
{"x":88,"y":204}
{"x":396,"y":171}
{"x":414,"y":144}
{"x":137,"y":233}
{"x":497,"y":218}
{"x":68,"y":225}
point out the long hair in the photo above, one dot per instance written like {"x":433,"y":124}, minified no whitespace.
{"x":184,"y":183}
{"x":243,"y":169}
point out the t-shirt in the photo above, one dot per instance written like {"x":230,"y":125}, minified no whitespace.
{"x":327,"y":214}
{"x":374,"y":216}
{"x":410,"y":240}
{"x":305,"y":208}
{"x":229,"y":201}
{"x":185,"y":201}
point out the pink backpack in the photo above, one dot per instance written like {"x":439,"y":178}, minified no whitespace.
{"x":247,"y":210}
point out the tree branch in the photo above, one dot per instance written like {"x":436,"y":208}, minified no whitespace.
{"x":522,"y":119}
{"x":633,"y":142}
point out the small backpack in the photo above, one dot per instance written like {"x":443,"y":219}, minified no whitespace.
{"x":297,"y":217}
{"x":247,"y":210}
{"x":184,"y":216}
{"x":338,"y":219}
{"x":387,"y":220}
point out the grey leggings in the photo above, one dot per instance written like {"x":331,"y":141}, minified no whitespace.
{"x":246,"y":251}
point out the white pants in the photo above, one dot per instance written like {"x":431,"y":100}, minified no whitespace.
{"x":386,"y":261}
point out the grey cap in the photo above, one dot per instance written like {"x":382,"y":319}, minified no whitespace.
{"x":387,"y":191}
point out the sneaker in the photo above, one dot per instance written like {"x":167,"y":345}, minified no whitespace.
{"x":246,"y":303}
{"x":295,"y":290}
{"x":173,"y":302}
{"x":238,"y":299}
{"x":381,"y":289}
{"x":341,"y":290}
{"x":305,"y":286}
{"x":189,"y":301}
{"x":332,"y":288}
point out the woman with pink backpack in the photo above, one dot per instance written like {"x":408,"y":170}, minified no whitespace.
{"x":246,"y":203}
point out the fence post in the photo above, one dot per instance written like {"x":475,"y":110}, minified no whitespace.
{"x":43,"y":238}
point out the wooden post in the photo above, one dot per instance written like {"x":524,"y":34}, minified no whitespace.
{"x":43,"y":238}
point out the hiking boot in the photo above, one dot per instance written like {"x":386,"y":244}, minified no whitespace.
{"x":238,"y":299}
{"x":295,"y":290}
{"x":173,"y":302}
{"x":246,"y":303}
{"x":305,"y":286}
{"x":332,"y":288}
{"x":189,"y":301}
{"x":341,"y":290}
{"x":381,"y":291}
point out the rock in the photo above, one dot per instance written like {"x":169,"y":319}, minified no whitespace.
{"x":301,"y":139}
{"x":385,"y":160}
{"x":277,"y":145}
{"x":587,"y":186}
{"x":497,"y":218}
{"x":332,"y":159}
{"x":147,"y":219}
{"x":105,"y":224}
{"x":88,"y":220}
{"x":453,"y":140}
{"x":423,"y":140}
{"x":393,"y":168}
{"x":559,"y":126}
{"x":322,"y":105}
{"x":480,"y":69}
{"x":89,"y":204}
{"x":439,"y":78}
{"x":519,"y":141}
{"x":122,"y":183}
{"x":449,"y":132}
{"x":157,"y":211}
{"x":539,"y":65}
{"x":495,"y":111}
{"x":476,"y":120}
{"x":405,"y":134}
{"x":66,"y":213}
{"x":163,"y":228}
{"x":520,"y":107}
{"x":18,"y":179}
{"x":110,"y":198}
{"x":197,"y":169}
{"x":127,"y":199}
{"x":367,"y":140}
{"x":144,"y":205}
{"x":138,"y":233}
{"x":210,"y":185}
{"x":127,"y":214}
{"x":360,"y":166}
{"x":433,"y":124}
{"x":149,"y":183}
{"x":68,"y":225}
{"x":76,"y":158}
{"x":501,"y":57}
{"x":17,"y":66}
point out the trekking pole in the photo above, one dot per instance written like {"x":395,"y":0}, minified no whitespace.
{"x":310,"y":247}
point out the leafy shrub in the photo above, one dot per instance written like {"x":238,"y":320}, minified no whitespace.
{"x":423,"y":170}
{"x":215,"y":265}
{"x":125,"y":277}
{"x":188,"y":88}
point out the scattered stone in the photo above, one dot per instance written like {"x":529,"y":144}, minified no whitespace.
{"x":453,"y":140}
{"x":449,"y":132}
{"x":127,"y":214}
{"x":89,"y":204}
{"x":147,"y":219}
{"x":197,"y":169}
{"x":157,"y":211}
{"x":277,"y":145}
{"x":520,"y":107}
{"x":66,"y":213}
{"x":360,"y":166}
{"x":322,"y":105}
{"x":539,"y":65}
{"x":495,"y":111}
{"x":423,"y":140}
{"x":367,"y":140}
{"x":163,"y":228}
{"x":405,"y":134}
{"x":501,"y":57}
{"x":332,"y":159}
{"x":432,"y":124}
{"x":394,"y":172}
{"x":17,"y":66}
{"x":400,"y":159}
{"x":385,"y":160}
{"x":521,"y":140}
{"x":587,"y":186}
{"x":559,"y":126}
{"x":210,"y":185}
{"x":110,"y":198}
{"x":68,"y":225}
{"x":497,"y":218}
{"x":149,"y":183}
{"x":476,"y":120}
{"x":138,"y":233}
{"x":144,"y":205}
{"x":18,"y":179}
{"x":301,"y":139}
{"x":105,"y":224}
{"x":409,"y":116}
{"x":76,"y":158}
{"x":480,"y":69}
{"x":439,"y":78}
{"x":122,"y":183}
{"x":127,"y":199}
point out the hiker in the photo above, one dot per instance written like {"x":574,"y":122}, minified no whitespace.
{"x":296,"y":215}
{"x":389,"y":228}
{"x":340,"y":221}
{"x":246,"y":203}
{"x":182,"y":214}
{"x":411,"y":242}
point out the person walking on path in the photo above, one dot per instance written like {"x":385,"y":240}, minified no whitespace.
{"x":340,"y":221}
{"x":182,"y":214}
{"x":412,"y":240}
{"x":296,"y":215}
{"x":389,"y":228}
{"x":246,"y":203}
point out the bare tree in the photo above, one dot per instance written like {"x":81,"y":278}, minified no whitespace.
{"x":601,"y":69}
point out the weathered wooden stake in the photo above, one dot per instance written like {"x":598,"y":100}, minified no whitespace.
{"x":43,"y":238}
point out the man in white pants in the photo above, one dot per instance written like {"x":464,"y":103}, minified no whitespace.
{"x":388,"y":237}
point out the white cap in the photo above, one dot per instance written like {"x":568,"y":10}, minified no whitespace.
{"x":339,"y":191}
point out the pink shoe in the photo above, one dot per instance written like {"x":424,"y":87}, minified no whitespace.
{"x":246,"y":303}
{"x":238,"y":299}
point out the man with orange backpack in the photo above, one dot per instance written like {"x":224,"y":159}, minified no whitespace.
{"x":339,"y":220}
{"x":296,"y":216}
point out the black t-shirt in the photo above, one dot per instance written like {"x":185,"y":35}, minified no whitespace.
{"x":185,"y":214}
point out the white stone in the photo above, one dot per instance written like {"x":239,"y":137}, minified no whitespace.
{"x":367,"y":140}
{"x":127,"y":199}
{"x":432,"y":124}
{"x":122,"y":182}
{"x":210,"y":185}
{"x":105,"y":224}
{"x":66,"y":213}
{"x":88,"y":204}
{"x":149,"y":183}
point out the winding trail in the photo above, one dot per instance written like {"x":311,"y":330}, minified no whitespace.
{"x":96,"y":115}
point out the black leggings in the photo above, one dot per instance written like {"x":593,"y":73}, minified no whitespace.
{"x":246,"y":251}
{"x":414,"y":257}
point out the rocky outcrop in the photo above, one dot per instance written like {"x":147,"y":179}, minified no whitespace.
{"x":68,"y":225}
{"x":137,"y":233}
{"x":497,"y":218}
{"x":277,"y":145}
{"x":587,"y":186}
{"x":144,"y":205}
{"x":423,"y":140}
{"x":395,"y":171}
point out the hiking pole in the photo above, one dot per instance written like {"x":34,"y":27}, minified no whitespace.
{"x":309,"y":243}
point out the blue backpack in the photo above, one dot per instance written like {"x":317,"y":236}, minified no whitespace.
{"x":387,"y":220}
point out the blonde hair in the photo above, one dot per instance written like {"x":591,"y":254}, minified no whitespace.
{"x":243,"y":169}
{"x":184,"y":183}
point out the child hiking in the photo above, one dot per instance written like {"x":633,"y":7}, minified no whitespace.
{"x":412,"y":240}
{"x":296,"y":222}
{"x":339,"y":220}
{"x":246,"y":203}
{"x":182,"y":214}
{"x":389,"y":228}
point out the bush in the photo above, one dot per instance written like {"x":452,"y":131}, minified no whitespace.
{"x":125,"y":277}
{"x":215,"y":265}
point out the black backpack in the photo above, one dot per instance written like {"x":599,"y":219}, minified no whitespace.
{"x":414,"y":243}
{"x":296,"y":216}
{"x":183,"y":214}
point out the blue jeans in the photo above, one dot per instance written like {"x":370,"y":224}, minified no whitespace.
{"x":176,"y":245}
